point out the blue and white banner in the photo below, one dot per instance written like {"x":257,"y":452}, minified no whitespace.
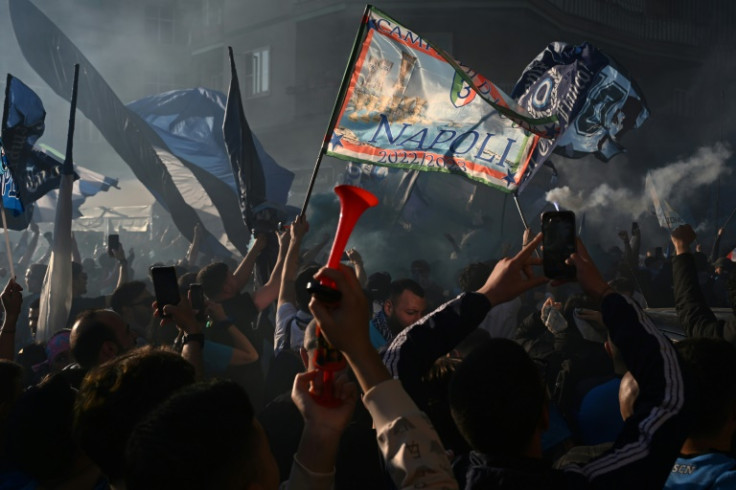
{"x":593,"y":97}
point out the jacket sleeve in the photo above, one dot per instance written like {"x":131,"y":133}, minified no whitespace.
{"x":415,"y":349}
{"x":410,"y":445}
{"x":529,"y":331}
{"x":301,"y":478}
{"x":692,"y":308}
{"x":651,"y":438}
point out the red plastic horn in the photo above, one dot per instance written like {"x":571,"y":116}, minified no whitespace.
{"x":353,"y":202}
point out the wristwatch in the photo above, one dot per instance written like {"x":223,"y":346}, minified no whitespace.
{"x":193,"y":337}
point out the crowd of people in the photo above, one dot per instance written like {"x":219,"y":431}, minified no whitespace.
{"x":504,"y":379}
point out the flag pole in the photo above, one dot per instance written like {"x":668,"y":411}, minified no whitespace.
{"x":7,"y":240}
{"x":2,"y":204}
{"x":338,"y":103}
{"x":56,"y":292}
{"x":68,"y":165}
{"x":521,"y":213}
{"x":730,"y":217}
{"x":523,"y":219}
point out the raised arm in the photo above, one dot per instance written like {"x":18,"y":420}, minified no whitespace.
{"x":357,"y":262}
{"x":11,"y":299}
{"x":628,"y":253}
{"x":269,"y":292}
{"x":193,"y":337}
{"x":245,"y":268}
{"x":287,"y":293}
{"x":193,"y":249}
{"x":416,"y":348}
{"x":244,"y":352}
{"x":123,"y":273}
{"x":410,"y":445}
{"x":635,"y":243}
{"x":651,"y":438}
{"x":695,"y":315}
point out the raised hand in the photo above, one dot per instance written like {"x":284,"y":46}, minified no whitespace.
{"x":215,"y":311}
{"x":323,"y":425}
{"x":682,"y":237}
{"x":331,"y":419}
{"x":354,"y":256}
{"x":299,"y":228}
{"x":513,"y":276}
{"x":260,"y":242}
{"x":588,"y":276}
{"x":12,"y":298}
{"x":345,"y":326}
{"x":182,"y":315}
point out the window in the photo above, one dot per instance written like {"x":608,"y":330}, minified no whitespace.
{"x":212,"y":13}
{"x":160,"y":23}
{"x":257,"y":73}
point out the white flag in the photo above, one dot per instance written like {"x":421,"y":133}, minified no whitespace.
{"x":667,"y":217}
{"x":56,"y":295}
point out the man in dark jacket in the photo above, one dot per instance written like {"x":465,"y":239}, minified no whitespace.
{"x":692,"y":307}
{"x":500,"y":404}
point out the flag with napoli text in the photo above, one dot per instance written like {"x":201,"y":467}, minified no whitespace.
{"x":406,"y":103}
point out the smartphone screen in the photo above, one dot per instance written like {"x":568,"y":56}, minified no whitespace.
{"x":196,"y":297}
{"x":113,"y":242}
{"x":558,"y":228}
{"x":165,"y":286}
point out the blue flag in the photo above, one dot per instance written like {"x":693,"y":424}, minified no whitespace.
{"x":23,"y":123}
{"x":11,"y":196}
{"x":23,"y":118}
{"x":53,"y":56}
{"x":28,"y":173}
{"x":593,"y":97}
{"x":189,"y":122}
{"x":244,"y":159}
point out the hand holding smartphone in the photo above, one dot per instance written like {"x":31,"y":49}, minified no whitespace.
{"x":113,"y":243}
{"x":165,"y":287}
{"x":558,"y":228}
{"x":196,"y":298}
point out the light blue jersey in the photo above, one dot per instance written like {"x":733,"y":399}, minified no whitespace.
{"x":704,"y":471}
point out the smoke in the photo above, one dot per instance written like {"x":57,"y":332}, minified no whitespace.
{"x":602,"y":197}
{"x":677,"y":183}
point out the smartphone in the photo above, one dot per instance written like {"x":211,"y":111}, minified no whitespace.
{"x":558,"y":243}
{"x":196,"y":297}
{"x":165,"y":286}
{"x":113,"y":243}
